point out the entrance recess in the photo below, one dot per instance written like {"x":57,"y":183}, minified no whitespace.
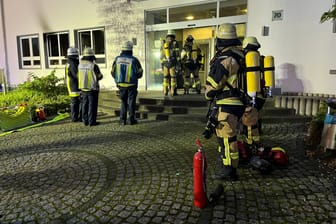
{"x":201,"y":21}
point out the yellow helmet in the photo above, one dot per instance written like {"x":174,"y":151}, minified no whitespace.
{"x":88,"y":52}
{"x":127,"y":46}
{"x":226,"y":31}
{"x":250,"y":41}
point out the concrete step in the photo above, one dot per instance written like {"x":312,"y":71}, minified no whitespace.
{"x":154,"y":106}
{"x":265,"y":119}
{"x":174,"y":101}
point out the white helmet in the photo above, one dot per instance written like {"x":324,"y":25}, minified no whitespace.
{"x":72,"y":51}
{"x":127,"y":46}
{"x":226,"y":31}
{"x":250,"y":41}
{"x":88,"y":52}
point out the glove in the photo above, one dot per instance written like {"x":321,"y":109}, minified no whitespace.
{"x":210,"y":127}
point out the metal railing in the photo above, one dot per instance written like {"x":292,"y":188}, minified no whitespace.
{"x":305,"y":104}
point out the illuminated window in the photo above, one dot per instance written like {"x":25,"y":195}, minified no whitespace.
{"x":29,"y":51}
{"x":193,"y":12}
{"x":232,"y":8}
{"x":197,"y":11}
{"x":56,"y":45}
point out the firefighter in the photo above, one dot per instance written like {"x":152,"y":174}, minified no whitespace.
{"x":222,"y":87}
{"x":251,"y":120}
{"x":192,"y":61}
{"x":126,"y":70}
{"x":88,"y":78}
{"x":170,"y":59}
{"x":71,"y":78}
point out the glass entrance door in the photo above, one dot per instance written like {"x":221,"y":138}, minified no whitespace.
{"x":204,"y":38}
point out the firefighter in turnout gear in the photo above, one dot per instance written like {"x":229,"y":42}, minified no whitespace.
{"x":251,"y":120}
{"x":126,"y":70}
{"x":88,"y":78}
{"x":170,"y":58}
{"x":222,"y":87}
{"x":71,"y":78}
{"x":192,"y":61}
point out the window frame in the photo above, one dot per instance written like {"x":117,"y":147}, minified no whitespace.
{"x":60,"y":58}
{"x":31,"y":58}
{"x":78,"y":41}
{"x":218,"y":17}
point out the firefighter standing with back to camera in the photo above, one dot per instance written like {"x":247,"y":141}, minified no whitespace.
{"x":222,"y":87}
{"x":88,"y":82}
{"x":126,"y":70}
{"x":192,"y":61}
{"x":170,"y":57}
{"x":251,"y":118}
{"x":71,"y":77}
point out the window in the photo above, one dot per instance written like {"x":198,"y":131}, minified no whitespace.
{"x":193,"y":12}
{"x":156,"y":17}
{"x":56,"y":45}
{"x":93,"y":38}
{"x":29,"y":51}
{"x":232,"y":8}
{"x":197,"y":11}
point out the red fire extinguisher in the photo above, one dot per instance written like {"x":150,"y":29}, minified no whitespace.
{"x":199,"y":166}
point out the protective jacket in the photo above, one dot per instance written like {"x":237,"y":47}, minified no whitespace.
{"x":170,"y":54}
{"x":88,"y":76}
{"x":222,"y":81}
{"x":191,"y":58}
{"x":71,"y":77}
{"x":126,"y":70}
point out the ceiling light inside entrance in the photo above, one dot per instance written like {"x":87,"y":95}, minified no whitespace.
{"x":190,"y":17}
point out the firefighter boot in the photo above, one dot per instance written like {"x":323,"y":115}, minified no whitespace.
{"x":228,"y":173}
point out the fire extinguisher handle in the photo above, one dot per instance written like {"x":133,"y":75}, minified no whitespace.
{"x":199,"y":143}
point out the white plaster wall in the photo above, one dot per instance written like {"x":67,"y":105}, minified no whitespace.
{"x":304,"y":49}
{"x":41,"y":16}
{"x":2,"y":42}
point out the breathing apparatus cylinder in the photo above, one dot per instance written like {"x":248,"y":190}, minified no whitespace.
{"x":269,"y":73}
{"x":252,"y":60}
{"x":166,"y":50}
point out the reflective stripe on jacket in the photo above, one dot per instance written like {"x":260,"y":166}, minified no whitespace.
{"x":71,"y":77}
{"x":87,"y":79}
{"x":223,"y":77}
{"x":126,"y":70}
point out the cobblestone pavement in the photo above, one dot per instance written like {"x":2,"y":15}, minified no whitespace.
{"x":68,"y":173}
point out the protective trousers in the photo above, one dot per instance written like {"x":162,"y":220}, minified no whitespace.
{"x":192,"y":82}
{"x":250,"y":124}
{"x":75,"y":109}
{"x":226,"y":132}
{"x":90,"y":107}
{"x":169,"y":80}
{"x":128,"y":101}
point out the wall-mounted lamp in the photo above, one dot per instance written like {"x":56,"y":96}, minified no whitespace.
{"x":264,"y":30}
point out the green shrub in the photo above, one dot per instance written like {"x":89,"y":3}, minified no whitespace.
{"x":41,"y":91}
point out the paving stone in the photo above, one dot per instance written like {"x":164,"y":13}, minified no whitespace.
{"x":143,"y":174}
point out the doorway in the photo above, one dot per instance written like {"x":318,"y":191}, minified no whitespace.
{"x":203,"y":38}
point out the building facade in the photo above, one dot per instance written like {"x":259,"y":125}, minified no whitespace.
{"x":36,"y":33}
